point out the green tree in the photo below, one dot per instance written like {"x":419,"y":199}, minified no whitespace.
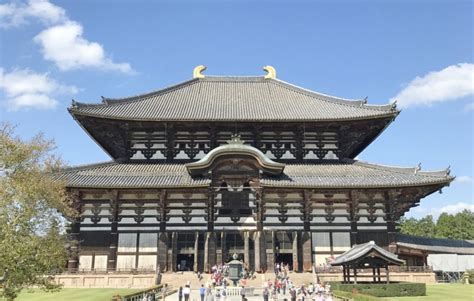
{"x":408,"y":225}
{"x":426,"y":226}
{"x":458,"y":226}
{"x":464,"y":225}
{"x":423,"y":227}
{"x":444,"y":225}
{"x":32,"y":206}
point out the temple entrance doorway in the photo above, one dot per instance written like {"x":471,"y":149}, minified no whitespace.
{"x":185,"y":262}
{"x":285,"y":258}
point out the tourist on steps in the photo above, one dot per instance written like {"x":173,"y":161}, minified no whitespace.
{"x":186,"y":292}
{"x":202,"y":292}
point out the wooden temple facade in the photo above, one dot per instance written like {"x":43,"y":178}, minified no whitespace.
{"x":249,"y":165}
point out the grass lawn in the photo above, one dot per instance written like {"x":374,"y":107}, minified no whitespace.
{"x":440,"y":292}
{"x":73,"y":294}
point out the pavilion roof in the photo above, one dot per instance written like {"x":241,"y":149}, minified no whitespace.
{"x":359,"y":252}
{"x":344,"y":174}
{"x":230,"y":98}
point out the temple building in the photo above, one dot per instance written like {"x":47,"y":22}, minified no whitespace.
{"x":223,"y":165}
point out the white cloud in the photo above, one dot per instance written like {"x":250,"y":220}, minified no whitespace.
{"x":469,"y":107}
{"x":455,"y":208}
{"x":13,"y":14}
{"x":24,"y":88}
{"x":451,"y":83}
{"x":63,"y":42}
{"x":463,"y":179}
{"x":65,"y":46}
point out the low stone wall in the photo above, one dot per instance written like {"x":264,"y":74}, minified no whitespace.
{"x":105,"y":280}
{"x":148,"y":280}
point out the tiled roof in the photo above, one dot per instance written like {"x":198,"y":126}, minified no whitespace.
{"x":354,"y":174}
{"x":347,"y":174}
{"x":357,"y":252}
{"x":435,"y":245}
{"x":231,"y":99}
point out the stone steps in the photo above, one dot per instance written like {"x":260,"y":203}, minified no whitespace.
{"x":180,"y":279}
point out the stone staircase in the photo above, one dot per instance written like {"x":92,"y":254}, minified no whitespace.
{"x":180,"y":279}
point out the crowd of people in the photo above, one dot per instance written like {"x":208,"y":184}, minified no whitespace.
{"x":280,"y":288}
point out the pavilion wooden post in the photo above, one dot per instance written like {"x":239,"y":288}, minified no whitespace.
{"x":373,"y":275}
{"x":355,"y":275}
{"x":387,"y":274}
{"x":378,"y":274}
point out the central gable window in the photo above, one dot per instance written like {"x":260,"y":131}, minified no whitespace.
{"x":235,"y":201}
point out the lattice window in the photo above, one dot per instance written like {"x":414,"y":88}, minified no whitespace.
{"x":186,"y":241}
{"x":283,"y":240}
{"x":234,"y":242}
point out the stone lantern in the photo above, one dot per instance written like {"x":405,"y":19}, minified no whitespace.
{"x":235,"y":269}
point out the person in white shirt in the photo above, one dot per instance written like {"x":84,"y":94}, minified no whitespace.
{"x":186,"y":292}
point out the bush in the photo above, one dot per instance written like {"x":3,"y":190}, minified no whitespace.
{"x":356,"y":297}
{"x":383,"y":289}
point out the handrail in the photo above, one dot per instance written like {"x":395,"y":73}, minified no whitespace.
{"x":138,"y":296}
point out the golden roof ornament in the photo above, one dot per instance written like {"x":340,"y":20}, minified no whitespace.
{"x":235,"y":139}
{"x":197,"y":72}
{"x":271,"y":72}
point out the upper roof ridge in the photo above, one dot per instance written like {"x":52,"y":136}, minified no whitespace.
{"x":337,"y":99}
{"x":406,"y":170}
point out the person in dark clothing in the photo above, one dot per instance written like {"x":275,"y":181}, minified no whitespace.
{"x":242,"y":293}
{"x":265,"y":294}
{"x":180,"y":294}
{"x":293,"y":294}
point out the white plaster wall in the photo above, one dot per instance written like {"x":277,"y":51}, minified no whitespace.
{"x":321,"y":242}
{"x":148,"y":242}
{"x":85,"y":262}
{"x":127,"y":242}
{"x":100,"y":262}
{"x":147,"y":262}
{"x":125,"y":262}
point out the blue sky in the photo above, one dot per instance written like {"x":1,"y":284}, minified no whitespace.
{"x":418,"y":52}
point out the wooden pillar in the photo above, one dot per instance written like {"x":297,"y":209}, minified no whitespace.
{"x":173,"y":252}
{"x":246,"y":249}
{"x":307,"y":209}
{"x":223,"y":247}
{"x":163,"y":251}
{"x":387,"y":273}
{"x":260,"y":209}
{"x":74,"y":231}
{"x":196,"y":252}
{"x":378,"y":274}
{"x":270,"y":253}
{"x":114,"y":208}
{"x":343,"y":274}
{"x":392,"y":197}
{"x":163,"y":205}
{"x":209,"y":251}
{"x":306,"y":245}
{"x":353,"y":212}
{"x":260,"y":252}
{"x":355,"y":275}
{"x":373,"y":275}
{"x":210,"y":209}
{"x":295,"y":252}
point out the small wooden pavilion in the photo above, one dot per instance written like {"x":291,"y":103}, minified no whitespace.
{"x":366,"y":256}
